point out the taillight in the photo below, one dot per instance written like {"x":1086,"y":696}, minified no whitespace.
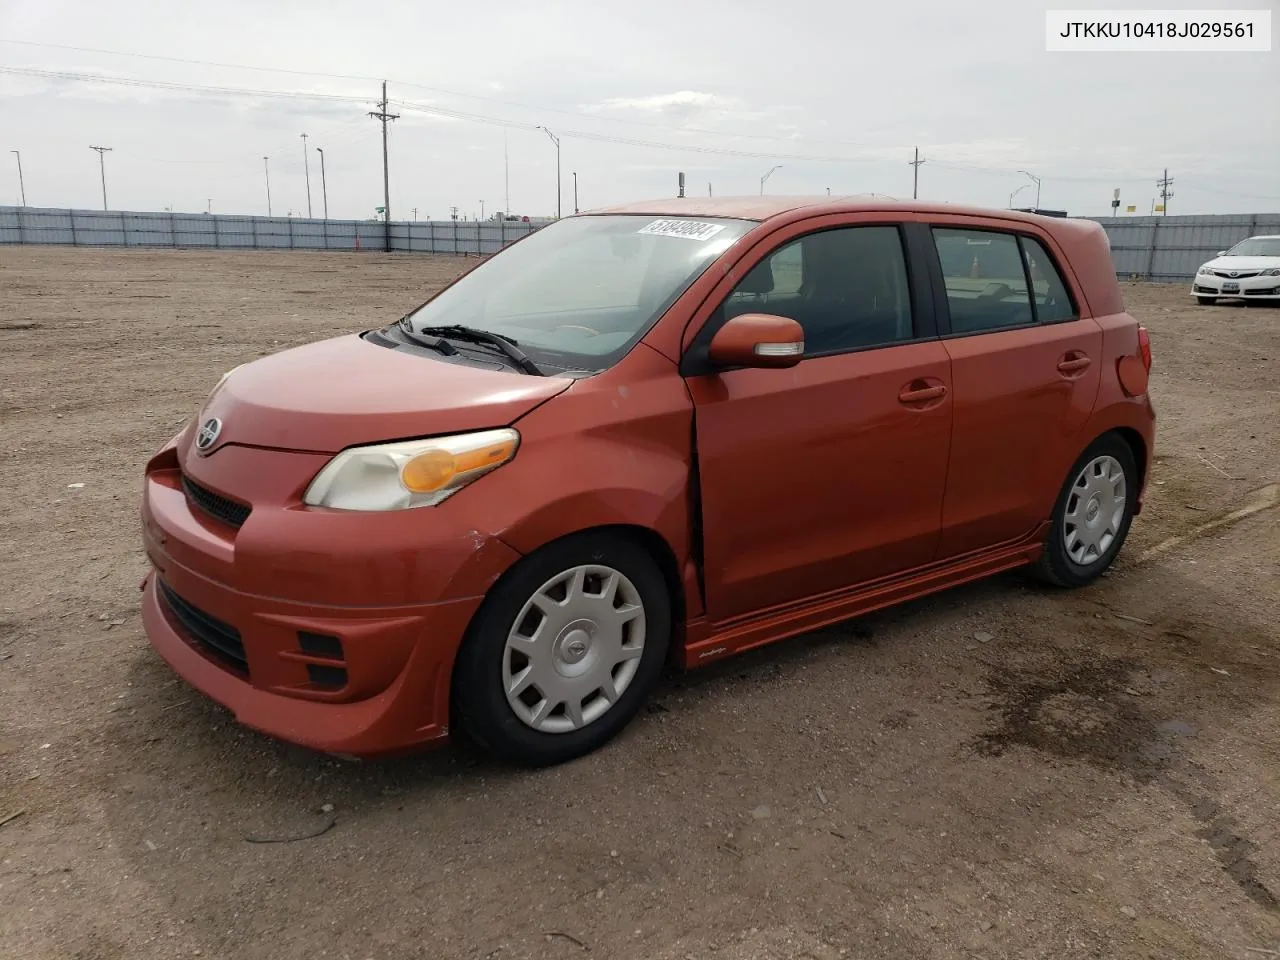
{"x":1144,"y":345}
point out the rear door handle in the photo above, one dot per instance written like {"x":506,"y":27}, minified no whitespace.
{"x":922,"y":394}
{"x":1073,"y":364}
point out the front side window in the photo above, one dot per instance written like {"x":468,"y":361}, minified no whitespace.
{"x":578,"y":294}
{"x":847,"y":287}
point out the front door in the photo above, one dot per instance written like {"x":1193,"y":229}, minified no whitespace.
{"x":832,"y":472}
{"x":1025,"y":369}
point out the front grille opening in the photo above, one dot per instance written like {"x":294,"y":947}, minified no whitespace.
{"x":214,"y":504}
{"x":206,"y":632}
{"x":323,"y":676}
{"x":320,"y":645}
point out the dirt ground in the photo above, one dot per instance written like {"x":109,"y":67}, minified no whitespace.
{"x":999,"y":771}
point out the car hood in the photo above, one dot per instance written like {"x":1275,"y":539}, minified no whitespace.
{"x":1244,"y":264}
{"x":329,"y":395}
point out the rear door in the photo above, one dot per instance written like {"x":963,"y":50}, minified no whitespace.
{"x":830,"y":473}
{"x":1025,"y":372}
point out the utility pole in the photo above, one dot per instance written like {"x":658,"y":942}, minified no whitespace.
{"x":1165,"y":193}
{"x":506,"y":177}
{"x":415,"y":214}
{"x":266,"y":170}
{"x":915,"y":175}
{"x":383,"y":117}
{"x":575,"y":191}
{"x":708,"y":188}
{"x":324,"y":187}
{"x":306,"y":166}
{"x":22,"y":187}
{"x":209,"y":208}
{"x":481,"y":209}
{"x":556,"y":141}
{"x":103,"y":167}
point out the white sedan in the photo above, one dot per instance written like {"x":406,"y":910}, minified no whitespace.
{"x":1248,"y":271}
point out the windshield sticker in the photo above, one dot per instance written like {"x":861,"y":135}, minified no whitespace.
{"x":688,"y":229}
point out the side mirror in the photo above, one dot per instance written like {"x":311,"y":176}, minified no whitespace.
{"x":1222,"y":253}
{"x":758,"y":340}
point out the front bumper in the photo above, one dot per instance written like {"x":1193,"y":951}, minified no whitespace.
{"x":334,"y":632}
{"x":1247,"y":288}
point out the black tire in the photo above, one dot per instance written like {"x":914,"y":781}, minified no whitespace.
{"x":1055,"y":565}
{"x":1206,"y":301}
{"x":480,"y":704}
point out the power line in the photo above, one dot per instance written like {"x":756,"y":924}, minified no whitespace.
{"x":535,"y":108}
{"x":882,"y":154}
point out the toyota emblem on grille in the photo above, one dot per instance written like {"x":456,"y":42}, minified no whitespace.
{"x":208,"y":434}
{"x":1235,"y":273}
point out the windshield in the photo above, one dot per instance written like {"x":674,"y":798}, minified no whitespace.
{"x":1256,"y":247}
{"x":579,"y":293}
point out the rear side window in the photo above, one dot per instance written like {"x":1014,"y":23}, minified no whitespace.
{"x":1053,"y":300}
{"x":985,"y":279}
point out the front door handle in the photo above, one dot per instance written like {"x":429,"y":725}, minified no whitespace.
{"x":922,"y":394}
{"x":1073,"y":362}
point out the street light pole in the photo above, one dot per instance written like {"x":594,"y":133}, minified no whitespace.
{"x":306,"y":166}
{"x":556,"y":141}
{"x":22,"y":187}
{"x":266,"y":170}
{"x":324,"y":187}
{"x":767,"y":176}
{"x":103,"y":167}
{"x":1037,"y":183}
{"x":1015,"y":193}
{"x":575,"y":191}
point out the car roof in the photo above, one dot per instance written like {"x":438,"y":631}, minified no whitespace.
{"x":765,"y":208}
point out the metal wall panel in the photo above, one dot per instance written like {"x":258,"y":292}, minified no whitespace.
{"x":1171,"y":249}
{"x":42,"y":225}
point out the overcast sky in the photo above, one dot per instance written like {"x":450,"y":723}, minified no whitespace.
{"x":837,"y":93}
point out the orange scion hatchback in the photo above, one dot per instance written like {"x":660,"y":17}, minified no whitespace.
{"x":658,"y":434}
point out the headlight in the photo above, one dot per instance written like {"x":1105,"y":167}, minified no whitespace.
{"x":1204,"y":268}
{"x":1270,"y":273}
{"x":415,"y":473}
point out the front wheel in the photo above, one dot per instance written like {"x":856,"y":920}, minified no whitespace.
{"x":564,"y":651}
{"x":1092,"y":515}
{"x":1206,"y":301}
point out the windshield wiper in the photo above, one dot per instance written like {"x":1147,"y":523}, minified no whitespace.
{"x":502,"y":343}
{"x":435,"y":343}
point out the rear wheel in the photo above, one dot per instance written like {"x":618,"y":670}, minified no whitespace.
{"x":564,"y":651}
{"x":1206,"y":301}
{"x":1092,"y":515}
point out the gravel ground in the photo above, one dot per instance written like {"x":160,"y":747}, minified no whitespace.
{"x":999,"y":771}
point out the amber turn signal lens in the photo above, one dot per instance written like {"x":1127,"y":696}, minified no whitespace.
{"x":433,"y":470}
{"x":429,"y":471}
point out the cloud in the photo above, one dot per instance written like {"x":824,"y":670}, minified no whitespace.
{"x":682,"y":101}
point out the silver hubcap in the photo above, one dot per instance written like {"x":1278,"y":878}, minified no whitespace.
{"x":1095,"y":510}
{"x":574,"y":649}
